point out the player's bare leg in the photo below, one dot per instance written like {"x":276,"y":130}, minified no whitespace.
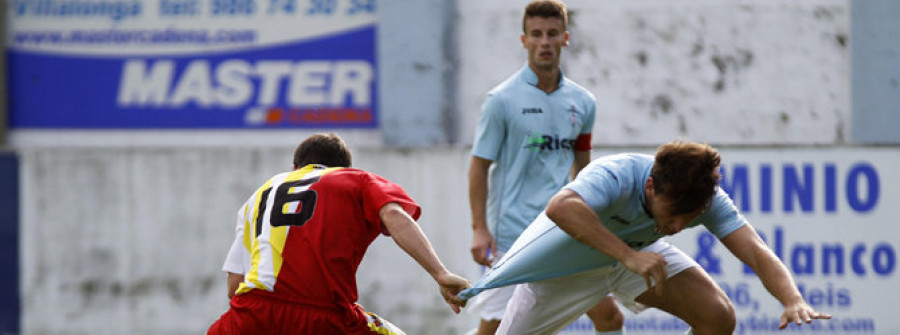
{"x":694,"y":297}
{"x":487,"y":327}
{"x":606,"y":316}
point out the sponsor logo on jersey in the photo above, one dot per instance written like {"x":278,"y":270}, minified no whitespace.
{"x":532,"y":111}
{"x":541,"y":142}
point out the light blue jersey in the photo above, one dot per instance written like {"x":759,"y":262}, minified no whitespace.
{"x":613,"y":186}
{"x":530,"y":136}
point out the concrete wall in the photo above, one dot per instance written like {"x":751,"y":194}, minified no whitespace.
{"x":762,"y":72}
{"x":876,"y":71}
{"x":416,"y":73}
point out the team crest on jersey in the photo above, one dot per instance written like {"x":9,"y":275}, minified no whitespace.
{"x":573,"y":111}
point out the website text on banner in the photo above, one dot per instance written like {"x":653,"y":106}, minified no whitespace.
{"x":193,"y":64}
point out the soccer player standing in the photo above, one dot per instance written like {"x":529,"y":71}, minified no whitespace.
{"x":535,"y":129}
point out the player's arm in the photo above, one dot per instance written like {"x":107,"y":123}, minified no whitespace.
{"x":582,"y":149}
{"x":235,"y":266}
{"x":237,"y":262}
{"x":482,"y":241}
{"x":747,"y":246}
{"x":582,"y":158}
{"x":569,"y":211}
{"x":234,"y":280}
{"x":407,"y":234}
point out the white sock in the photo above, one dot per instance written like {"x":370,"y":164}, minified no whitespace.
{"x":614,"y":332}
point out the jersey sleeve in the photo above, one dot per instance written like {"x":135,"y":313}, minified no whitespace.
{"x":378,"y":192}
{"x":722,"y":217}
{"x":597,"y":186}
{"x":491,"y":130}
{"x":588,"y":126}
{"x":238,"y":258}
{"x":583,"y":142}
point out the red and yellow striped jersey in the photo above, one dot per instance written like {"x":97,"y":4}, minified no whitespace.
{"x":305,"y":232}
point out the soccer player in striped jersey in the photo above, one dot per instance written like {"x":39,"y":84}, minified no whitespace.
{"x":301,"y":237}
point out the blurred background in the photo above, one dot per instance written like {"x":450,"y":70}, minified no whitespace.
{"x":133,"y":129}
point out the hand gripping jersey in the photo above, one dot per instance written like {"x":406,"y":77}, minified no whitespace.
{"x":302,"y":234}
{"x":613,"y":186}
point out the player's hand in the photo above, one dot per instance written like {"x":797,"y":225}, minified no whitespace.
{"x":799,"y":313}
{"x":482,"y":244}
{"x":650,"y":265}
{"x":451,"y":285}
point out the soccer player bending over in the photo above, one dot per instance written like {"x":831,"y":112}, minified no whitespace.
{"x":611,"y":218}
{"x":300,"y":238}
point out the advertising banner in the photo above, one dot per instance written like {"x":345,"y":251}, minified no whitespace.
{"x":100,"y":64}
{"x":830,"y":215}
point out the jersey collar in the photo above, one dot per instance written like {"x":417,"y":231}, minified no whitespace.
{"x":528,"y":75}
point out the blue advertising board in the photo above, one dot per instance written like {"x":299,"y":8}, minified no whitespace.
{"x":92,"y":64}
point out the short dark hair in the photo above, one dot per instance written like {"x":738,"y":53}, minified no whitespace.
{"x":687,"y":174}
{"x":323,"y":148}
{"x":546,"y":9}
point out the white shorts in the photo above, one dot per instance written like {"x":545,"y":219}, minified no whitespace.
{"x":491,"y":304}
{"x":548,"y":306}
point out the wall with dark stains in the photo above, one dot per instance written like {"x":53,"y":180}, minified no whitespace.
{"x":132,"y":241}
{"x":743,"y":73}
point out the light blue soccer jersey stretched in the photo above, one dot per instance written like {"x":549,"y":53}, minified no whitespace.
{"x":613,"y":186}
{"x":530,"y":135}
